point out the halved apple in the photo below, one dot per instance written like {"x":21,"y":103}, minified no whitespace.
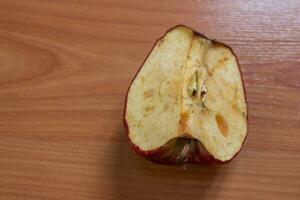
{"x":187,"y":102}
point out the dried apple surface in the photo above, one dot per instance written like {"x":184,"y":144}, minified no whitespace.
{"x":189,"y":87}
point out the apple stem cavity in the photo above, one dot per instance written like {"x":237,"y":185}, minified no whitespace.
{"x":187,"y":147}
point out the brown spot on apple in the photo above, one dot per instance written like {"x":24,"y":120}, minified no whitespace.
{"x":234,"y":103}
{"x":148,"y":110}
{"x":160,"y":42}
{"x":166,"y":107}
{"x":186,"y":135}
{"x":184,"y":117}
{"x":149,"y":93}
{"x":235,"y":106}
{"x":244,"y":114}
{"x":225,"y":59}
{"x":219,"y":64}
{"x":142,"y":80}
{"x":222,"y":125}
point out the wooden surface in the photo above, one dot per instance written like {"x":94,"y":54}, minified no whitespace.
{"x":65,"y":66}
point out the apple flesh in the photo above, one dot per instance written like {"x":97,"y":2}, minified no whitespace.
{"x":187,"y":102}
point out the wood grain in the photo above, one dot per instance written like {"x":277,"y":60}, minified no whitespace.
{"x":65,"y":67}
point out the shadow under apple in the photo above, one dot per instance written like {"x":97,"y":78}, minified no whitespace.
{"x":137,"y":178}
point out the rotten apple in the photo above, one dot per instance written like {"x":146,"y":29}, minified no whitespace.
{"x":187,"y":102}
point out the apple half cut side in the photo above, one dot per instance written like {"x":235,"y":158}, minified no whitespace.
{"x":187,"y":102}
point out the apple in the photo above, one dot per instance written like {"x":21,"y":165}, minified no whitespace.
{"x":186,"y":104}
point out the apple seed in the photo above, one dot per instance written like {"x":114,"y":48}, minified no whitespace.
{"x":192,"y":88}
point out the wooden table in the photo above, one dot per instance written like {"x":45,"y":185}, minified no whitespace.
{"x":65,"y":66}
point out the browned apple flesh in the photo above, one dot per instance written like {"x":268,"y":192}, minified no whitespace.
{"x":188,"y":87}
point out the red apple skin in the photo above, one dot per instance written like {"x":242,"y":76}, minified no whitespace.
{"x":168,"y":153}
